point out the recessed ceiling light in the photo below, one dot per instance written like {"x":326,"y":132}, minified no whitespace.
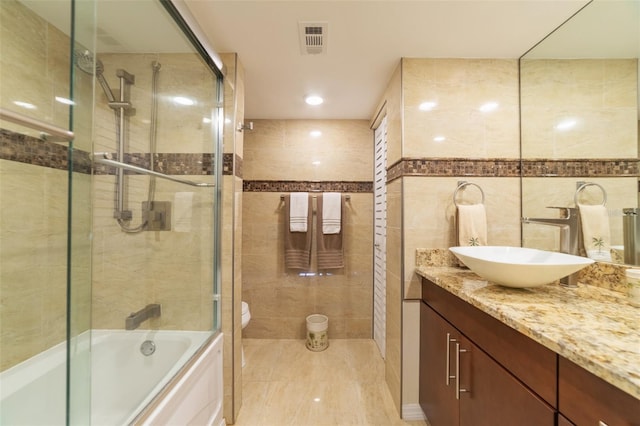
{"x":439,"y":139}
{"x":315,"y":133}
{"x":313,"y":100}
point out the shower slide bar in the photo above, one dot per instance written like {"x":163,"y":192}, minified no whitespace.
{"x":47,"y":130}
{"x":105,"y":158}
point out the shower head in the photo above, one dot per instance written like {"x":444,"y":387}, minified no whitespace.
{"x":87,"y":63}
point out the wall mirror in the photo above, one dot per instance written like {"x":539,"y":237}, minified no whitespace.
{"x":579,"y":124}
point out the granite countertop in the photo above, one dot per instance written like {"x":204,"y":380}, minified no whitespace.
{"x":594,"y":327}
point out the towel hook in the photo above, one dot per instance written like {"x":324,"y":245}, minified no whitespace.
{"x":583,"y":185}
{"x":461,"y":185}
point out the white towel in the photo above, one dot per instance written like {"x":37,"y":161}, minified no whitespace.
{"x":596,"y":232}
{"x":472,"y":225}
{"x":331,"y":216}
{"x":298,"y":211}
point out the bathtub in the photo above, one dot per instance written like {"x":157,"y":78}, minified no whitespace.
{"x":124,"y":382}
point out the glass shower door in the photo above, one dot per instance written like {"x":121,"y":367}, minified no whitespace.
{"x":38,"y":181}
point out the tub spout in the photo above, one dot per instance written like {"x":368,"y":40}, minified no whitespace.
{"x":134,"y":320}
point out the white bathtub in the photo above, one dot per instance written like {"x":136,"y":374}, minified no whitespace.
{"x":123,"y":380}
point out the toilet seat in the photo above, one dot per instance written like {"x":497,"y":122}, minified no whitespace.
{"x":246,"y":314}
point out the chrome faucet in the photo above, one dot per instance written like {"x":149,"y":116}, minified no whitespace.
{"x":569,"y":235}
{"x":134,"y":320}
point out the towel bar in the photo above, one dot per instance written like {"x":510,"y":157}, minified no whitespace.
{"x":583,"y":185}
{"x":346,"y":197}
{"x":461,"y":185}
{"x":105,"y":158}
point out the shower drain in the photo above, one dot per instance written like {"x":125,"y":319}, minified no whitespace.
{"x":147,"y":348}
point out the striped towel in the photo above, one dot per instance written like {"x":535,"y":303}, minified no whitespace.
{"x":298,"y":211}
{"x":331,"y":212}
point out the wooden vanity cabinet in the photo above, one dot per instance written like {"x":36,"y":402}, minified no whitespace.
{"x":586,"y":399}
{"x":479,"y":391}
{"x":458,"y":343}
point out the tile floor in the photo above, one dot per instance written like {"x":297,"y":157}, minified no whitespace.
{"x":286,"y":384}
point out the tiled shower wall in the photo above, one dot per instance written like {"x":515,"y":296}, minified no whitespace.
{"x":34,"y":189}
{"x":173,"y":268}
{"x":281,"y":156}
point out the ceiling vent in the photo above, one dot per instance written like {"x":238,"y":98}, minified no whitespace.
{"x":313,"y":37}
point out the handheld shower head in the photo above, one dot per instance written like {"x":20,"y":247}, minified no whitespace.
{"x":88,"y":64}
{"x":85,"y":62}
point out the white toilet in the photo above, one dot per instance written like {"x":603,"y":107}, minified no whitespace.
{"x":246,"y":316}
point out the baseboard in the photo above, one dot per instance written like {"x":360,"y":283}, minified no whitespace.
{"x":412,"y":412}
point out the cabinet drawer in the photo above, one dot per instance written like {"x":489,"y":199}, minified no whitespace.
{"x":532,"y":363}
{"x":586,"y":399}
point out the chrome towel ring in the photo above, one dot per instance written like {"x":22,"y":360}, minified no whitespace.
{"x":463,"y":184}
{"x":583,"y":185}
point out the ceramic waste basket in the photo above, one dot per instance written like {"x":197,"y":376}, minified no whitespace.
{"x":317,"y":339}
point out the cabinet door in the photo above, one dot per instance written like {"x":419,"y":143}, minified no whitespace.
{"x":437,"y":398}
{"x":563,"y":421}
{"x":588,"y":400}
{"x":491,"y":396}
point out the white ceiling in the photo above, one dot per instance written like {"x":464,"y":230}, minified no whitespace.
{"x":366,"y":40}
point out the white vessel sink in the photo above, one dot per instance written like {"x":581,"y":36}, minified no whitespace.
{"x":519,"y":266}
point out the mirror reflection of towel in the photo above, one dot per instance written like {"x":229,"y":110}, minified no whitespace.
{"x":472,"y":225}
{"x":596,"y":232}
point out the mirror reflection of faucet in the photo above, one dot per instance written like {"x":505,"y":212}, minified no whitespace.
{"x":569,"y":225}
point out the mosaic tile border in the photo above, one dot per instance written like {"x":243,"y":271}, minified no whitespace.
{"x":30,"y":150}
{"x":168,"y":163}
{"x":500,"y":167}
{"x":307,"y":186}
{"x":600,"y":167}
{"x":454,"y":167}
{"x":232,"y":163}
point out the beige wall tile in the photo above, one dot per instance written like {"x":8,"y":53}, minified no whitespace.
{"x":597,"y":95}
{"x":285,"y":150}
{"x":459,"y":88}
{"x":279,"y":299}
{"x":33,"y":316}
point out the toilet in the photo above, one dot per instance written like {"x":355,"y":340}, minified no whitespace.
{"x":246,"y":316}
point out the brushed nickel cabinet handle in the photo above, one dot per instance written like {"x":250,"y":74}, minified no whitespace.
{"x":458,"y":389}
{"x":448,"y":363}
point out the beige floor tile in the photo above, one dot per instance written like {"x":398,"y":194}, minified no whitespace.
{"x":286,"y":384}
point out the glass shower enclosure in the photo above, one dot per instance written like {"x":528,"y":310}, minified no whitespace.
{"x":109,"y":211}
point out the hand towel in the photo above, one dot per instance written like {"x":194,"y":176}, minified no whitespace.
{"x":472,"y":225}
{"x":298,"y":212}
{"x":331,"y":212}
{"x":595,"y":231}
{"x":297,"y":245}
{"x":330,"y":254}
